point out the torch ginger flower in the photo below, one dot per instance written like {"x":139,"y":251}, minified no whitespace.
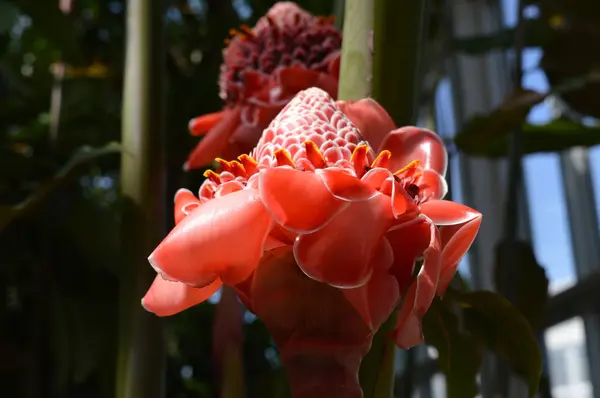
{"x":288,"y":50}
{"x":319,"y":236}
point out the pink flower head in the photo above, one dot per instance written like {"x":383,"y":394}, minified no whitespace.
{"x":315,"y":196}
{"x":288,"y":50}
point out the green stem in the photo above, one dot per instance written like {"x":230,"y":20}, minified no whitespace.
{"x":355,"y":68}
{"x":140,"y":364}
{"x":397,"y":48}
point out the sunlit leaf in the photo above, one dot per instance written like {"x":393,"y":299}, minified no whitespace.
{"x":491,"y":318}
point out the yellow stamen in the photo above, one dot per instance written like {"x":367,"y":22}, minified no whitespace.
{"x":410,"y":168}
{"x":284,"y":158}
{"x":382,"y":160}
{"x":250,"y":165}
{"x":359,"y":159}
{"x":314,"y":155}
{"x":211,"y":175}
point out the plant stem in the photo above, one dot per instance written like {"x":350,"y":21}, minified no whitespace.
{"x":355,"y":68}
{"x":140,"y":366}
{"x":397,"y":48}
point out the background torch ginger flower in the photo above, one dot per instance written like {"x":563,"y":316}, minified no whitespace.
{"x":288,"y":50}
{"x":314,"y":216}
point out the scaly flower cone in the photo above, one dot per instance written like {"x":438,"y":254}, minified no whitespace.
{"x":320,"y":237}
{"x":288,"y":50}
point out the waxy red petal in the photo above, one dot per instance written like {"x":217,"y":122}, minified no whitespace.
{"x":345,"y":186}
{"x":297,"y":200}
{"x":445,"y":212}
{"x":456,"y":241}
{"x":211,"y":146}
{"x":408,"y":241}
{"x":432,"y":185}
{"x":413,"y":143}
{"x":370,"y":118}
{"x":341,"y":254}
{"x":165,"y":298}
{"x":383,"y":180}
{"x":203,"y":124}
{"x":297,"y":78}
{"x":185,"y":202}
{"x":408,"y":332}
{"x":376,"y":300}
{"x":223,"y":238}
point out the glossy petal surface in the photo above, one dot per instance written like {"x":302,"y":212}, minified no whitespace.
{"x":165,"y":298}
{"x":371,"y":119}
{"x":456,"y":240}
{"x":341,"y":253}
{"x":445,"y":212}
{"x":203,"y":124}
{"x":185,"y":202}
{"x":345,"y":186}
{"x":408,"y":332}
{"x":412,"y":143}
{"x":298,"y":201}
{"x":199,"y":249}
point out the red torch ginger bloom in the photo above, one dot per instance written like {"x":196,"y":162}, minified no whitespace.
{"x":288,"y":50}
{"x":319,"y":235}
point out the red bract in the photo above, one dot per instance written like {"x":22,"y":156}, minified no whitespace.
{"x":288,"y":50}
{"x":320,"y":236}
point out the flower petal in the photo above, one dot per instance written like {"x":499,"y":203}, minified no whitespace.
{"x":203,"y":124}
{"x":199,"y":248}
{"x":345,"y":186}
{"x":383,"y":180}
{"x":457,"y":240}
{"x":432,"y":185}
{"x":375,"y":301}
{"x":294,"y":79}
{"x":408,"y":241}
{"x":408,"y":332}
{"x":215,"y":141}
{"x":165,"y":298}
{"x":297,"y":200}
{"x":413,"y":143}
{"x":185,"y":202}
{"x":373,"y":122}
{"x":341,"y":253}
{"x":445,"y":212}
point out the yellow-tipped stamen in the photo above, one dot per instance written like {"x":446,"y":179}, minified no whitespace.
{"x":382,"y":160}
{"x":284,"y":158}
{"x":313,"y":154}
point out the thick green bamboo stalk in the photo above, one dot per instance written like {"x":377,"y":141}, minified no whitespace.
{"x":355,"y":68}
{"x":140,"y":366}
{"x":397,"y":47}
{"x":398,"y":28}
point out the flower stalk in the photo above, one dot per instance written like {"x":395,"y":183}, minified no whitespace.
{"x":398,"y":29}
{"x":140,"y":363}
{"x":355,"y":67}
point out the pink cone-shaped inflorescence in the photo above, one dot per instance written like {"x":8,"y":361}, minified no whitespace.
{"x":320,"y":236}
{"x":288,"y":50}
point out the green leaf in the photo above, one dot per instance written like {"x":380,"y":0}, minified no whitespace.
{"x":67,"y":173}
{"x":459,"y":354}
{"x":493,"y":319}
{"x":537,"y":34}
{"x":557,"y":135}
{"x":532,"y":283}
